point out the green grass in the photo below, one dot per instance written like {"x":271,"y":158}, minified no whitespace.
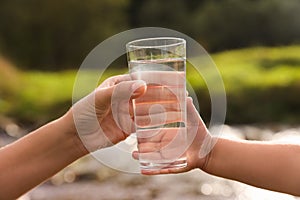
{"x":259,"y":67}
{"x":47,"y":88}
{"x":43,"y":96}
{"x":262,"y":85}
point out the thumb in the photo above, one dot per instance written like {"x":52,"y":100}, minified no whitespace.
{"x":121,"y":103}
{"x":139,"y":87}
{"x":125,"y":90}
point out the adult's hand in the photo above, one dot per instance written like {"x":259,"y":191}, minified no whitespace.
{"x":104,"y":117}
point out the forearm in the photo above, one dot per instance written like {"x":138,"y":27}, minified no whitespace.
{"x":38,"y":156}
{"x":265,"y":165}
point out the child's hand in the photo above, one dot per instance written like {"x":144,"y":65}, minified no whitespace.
{"x":199,"y":140}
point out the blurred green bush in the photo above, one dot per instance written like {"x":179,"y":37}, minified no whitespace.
{"x":224,"y":24}
{"x":9,"y":83}
{"x":262,"y":86}
{"x":55,"y":34}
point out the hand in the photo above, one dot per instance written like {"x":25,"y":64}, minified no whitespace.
{"x":103,"y":117}
{"x":199,"y":140}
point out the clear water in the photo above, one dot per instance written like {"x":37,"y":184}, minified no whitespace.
{"x":160,"y":114}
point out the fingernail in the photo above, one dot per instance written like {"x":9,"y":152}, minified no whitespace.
{"x":137,"y":84}
{"x":189,"y":99}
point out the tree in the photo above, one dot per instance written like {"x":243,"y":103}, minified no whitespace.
{"x":54,"y":34}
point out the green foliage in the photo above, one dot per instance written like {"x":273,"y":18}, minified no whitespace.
{"x":260,"y":67}
{"x":224,"y":24}
{"x":42,"y":96}
{"x":262,"y":86}
{"x":54,"y":34}
{"x":9,"y":82}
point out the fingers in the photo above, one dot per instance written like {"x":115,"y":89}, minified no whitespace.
{"x":161,"y":146}
{"x":164,"y":171}
{"x":121,"y":96}
{"x":121,"y":91}
{"x":93,"y":116}
{"x":157,"y":145}
{"x":158,"y":93}
{"x":152,"y":120}
{"x":143,"y":107}
{"x":159,"y":135}
{"x":199,"y":137}
{"x":193,"y":116}
{"x":159,"y":105}
{"x":115,"y":80}
{"x":135,"y":155}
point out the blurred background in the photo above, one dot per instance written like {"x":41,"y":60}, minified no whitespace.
{"x":255,"y":45}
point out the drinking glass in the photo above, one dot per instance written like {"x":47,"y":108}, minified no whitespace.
{"x":160,"y":113}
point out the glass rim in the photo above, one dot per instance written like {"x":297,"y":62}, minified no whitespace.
{"x":178,"y":41}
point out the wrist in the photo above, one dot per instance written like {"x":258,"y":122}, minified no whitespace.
{"x":206,"y":152}
{"x":69,"y":128}
{"x":204,"y":164}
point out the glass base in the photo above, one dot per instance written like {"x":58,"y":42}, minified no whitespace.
{"x":158,"y":165}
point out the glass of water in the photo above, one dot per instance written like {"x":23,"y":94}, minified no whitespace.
{"x":160,"y":114}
